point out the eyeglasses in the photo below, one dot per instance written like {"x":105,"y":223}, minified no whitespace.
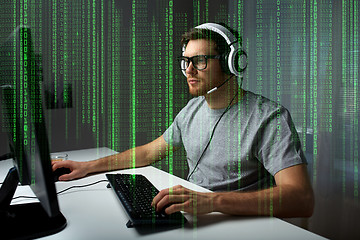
{"x":199,"y":62}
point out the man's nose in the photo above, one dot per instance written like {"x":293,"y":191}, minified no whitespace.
{"x":191,"y":69}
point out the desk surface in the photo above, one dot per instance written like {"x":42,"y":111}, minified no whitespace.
{"x":95,"y":212}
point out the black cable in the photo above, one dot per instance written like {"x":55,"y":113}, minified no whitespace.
{"x":23,"y":197}
{"x":6,"y":156}
{"x":81,"y":186}
{"x":62,"y":191}
{"x":19,"y":184}
{"x":212,"y":134}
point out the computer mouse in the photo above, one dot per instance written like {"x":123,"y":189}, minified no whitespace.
{"x":60,"y":171}
{"x":162,"y":211}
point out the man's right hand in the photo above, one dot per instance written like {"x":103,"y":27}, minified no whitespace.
{"x":145,"y":155}
{"x":78,"y":169}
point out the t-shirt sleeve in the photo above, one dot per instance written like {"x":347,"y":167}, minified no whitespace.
{"x":279,"y":144}
{"x":172,"y":135}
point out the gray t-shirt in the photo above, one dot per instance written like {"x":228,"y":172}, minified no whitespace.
{"x":254,"y":138}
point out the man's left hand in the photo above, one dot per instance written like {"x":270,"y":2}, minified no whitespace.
{"x":179,"y":198}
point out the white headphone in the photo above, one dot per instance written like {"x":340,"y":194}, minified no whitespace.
{"x":233,"y":62}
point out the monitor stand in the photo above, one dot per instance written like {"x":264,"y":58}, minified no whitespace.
{"x":24,"y":221}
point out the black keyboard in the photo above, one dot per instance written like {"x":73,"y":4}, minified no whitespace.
{"x":136,"y":193}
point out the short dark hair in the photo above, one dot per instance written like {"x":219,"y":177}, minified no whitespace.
{"x":221,"y":45}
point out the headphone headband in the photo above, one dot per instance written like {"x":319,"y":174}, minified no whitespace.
{"x":223,"y":31}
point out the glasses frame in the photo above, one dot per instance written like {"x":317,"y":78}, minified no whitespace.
{"x":184,"y":60}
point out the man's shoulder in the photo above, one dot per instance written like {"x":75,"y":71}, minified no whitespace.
{"x":261,"y":105}
{"x":194,"y":103}
{"x":261,"y":101}
{"x":196,"y":100}
{"x":191,"y":107}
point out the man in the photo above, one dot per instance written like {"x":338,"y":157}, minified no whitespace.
{"x":234,"y":139}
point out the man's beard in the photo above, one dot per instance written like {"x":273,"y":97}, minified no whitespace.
{"x":197,"y":92}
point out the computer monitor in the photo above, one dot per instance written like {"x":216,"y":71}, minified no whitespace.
{"x":21,"y":105}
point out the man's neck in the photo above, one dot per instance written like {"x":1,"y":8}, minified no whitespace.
{"x":222,"y":97}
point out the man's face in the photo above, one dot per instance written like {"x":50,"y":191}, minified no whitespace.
{"x":212,"y":76}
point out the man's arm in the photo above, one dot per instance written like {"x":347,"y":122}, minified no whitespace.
{"x":135,"y":157}
{"x":291,"y":197}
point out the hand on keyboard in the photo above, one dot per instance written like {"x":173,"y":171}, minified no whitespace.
{"x":136,"y":193}
{"x":179,"y":198}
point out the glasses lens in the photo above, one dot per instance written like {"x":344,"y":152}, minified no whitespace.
{"x":199,"y":62}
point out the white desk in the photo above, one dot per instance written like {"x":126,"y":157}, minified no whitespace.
{"x":95,"y":212}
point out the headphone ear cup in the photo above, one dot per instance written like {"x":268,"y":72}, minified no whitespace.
{"x":240,"y":61}
{"x":182,"y":67}
{"x":182,"y":63}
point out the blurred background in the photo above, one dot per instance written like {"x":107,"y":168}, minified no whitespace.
{"x":110,"y":78}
